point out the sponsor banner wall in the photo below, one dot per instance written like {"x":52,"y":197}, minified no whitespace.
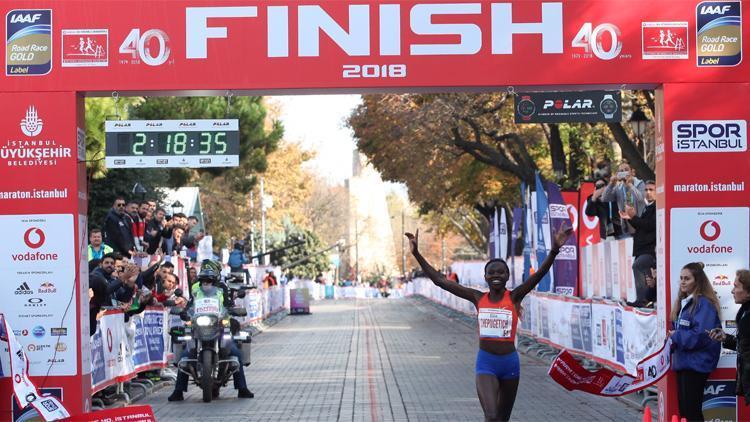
{"x":37,"y":264}
{"x":608,"y":270}
{"x":42,"y":207}
{"x":717,"y":237}
{"x":704,"y":213}
{"x":616,"y":336}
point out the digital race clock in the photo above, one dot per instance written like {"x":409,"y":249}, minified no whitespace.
{"x":172,"y":143}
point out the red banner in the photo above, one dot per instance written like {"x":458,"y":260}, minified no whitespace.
{"x":121,"y":414}
{"x":566,"y":371}
{"x":588,"y":234}
{"x":253,"y":45}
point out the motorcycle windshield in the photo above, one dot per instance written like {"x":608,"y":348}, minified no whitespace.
{"x":207,"y":306}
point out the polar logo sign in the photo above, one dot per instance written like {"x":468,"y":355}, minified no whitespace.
{"x":312,"y":20}
{"x":714,"y":227}
{"x":28,"y":240}
{"x":709,"y":136}
{"x":568,"y":104}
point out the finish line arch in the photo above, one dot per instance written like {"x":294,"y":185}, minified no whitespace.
{"x":250,"y":47}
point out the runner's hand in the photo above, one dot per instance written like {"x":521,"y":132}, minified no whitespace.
{"x":562,"y":236}
{"x":413,"y":241}
{"x":717,"y":334}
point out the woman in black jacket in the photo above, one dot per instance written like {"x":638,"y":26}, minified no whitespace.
{"x":740,"y":342}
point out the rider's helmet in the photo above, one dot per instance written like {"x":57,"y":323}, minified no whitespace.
{"x":209,"y":271}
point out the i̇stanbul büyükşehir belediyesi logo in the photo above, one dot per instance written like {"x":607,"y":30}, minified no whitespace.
{"x":31,"y":124}
{"x":32,"y":152}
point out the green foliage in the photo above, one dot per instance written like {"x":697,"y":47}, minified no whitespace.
{"x":120,"y":182}
{"x":224,"y":190}
{"x":311,"y":246}
{"x":98,"y":111}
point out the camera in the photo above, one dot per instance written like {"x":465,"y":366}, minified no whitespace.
{"x":622,"y":175}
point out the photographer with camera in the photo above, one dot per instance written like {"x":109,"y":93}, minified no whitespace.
{"x":626,"y":190}
{"x":644,"y":246}
{"x":607,"y":212}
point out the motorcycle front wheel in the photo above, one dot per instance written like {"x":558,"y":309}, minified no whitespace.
{"x":207,"y":381}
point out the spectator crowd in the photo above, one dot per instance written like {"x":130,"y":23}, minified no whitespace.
{"x":130,"y":257}
{"x":626,"y":207}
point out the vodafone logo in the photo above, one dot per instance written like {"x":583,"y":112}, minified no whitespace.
{"x":109,"y":340}
{"x":34,"y":237}
{"x":712,"y":233}
{"x":573,"y":215}
{"x":17,"y":378}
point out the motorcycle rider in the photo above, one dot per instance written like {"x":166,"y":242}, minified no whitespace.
{"x":209,"y":286}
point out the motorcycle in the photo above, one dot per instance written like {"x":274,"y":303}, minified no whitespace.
{"x":207,"y":332}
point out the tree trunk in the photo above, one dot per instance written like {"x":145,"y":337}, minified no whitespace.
{"x":556,"y":151}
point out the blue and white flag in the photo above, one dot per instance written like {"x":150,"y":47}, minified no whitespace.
{"x":542,"y":211}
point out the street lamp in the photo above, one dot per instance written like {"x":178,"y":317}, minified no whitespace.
{"x":177,"y":207}
{"x":138,"y":189}
{"x":639,"y":123}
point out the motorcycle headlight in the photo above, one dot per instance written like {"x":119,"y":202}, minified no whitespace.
{"x":203,"y":321}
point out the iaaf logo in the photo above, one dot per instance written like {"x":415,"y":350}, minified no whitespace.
{"x":355,"y":38}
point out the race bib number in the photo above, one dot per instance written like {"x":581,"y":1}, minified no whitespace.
{"x":495,"y":323}
{"x":207,"y":306}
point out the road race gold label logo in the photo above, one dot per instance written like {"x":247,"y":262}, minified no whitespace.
{"x":28,"y":42}
{"x":719,"y":33}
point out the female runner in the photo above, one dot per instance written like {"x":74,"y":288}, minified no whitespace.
{"x":498,"y":364}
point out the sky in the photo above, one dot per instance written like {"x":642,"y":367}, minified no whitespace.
{"x":317,"y":122}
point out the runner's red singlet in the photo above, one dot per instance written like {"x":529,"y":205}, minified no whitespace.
{"x":497,"y":320}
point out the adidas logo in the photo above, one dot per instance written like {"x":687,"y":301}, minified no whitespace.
{"x":24,"y":289}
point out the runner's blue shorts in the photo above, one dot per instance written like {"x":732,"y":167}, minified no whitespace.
{"x":504,"y":367}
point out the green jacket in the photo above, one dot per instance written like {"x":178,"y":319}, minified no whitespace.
{"x":103,"y":250}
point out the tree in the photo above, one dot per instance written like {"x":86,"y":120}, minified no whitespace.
{"x":288,"y":182}
{"x":105,"y":185}
{"x":327,"y":210}
{"x":306,"y":260}
{"x":224,"y":191}
{"x":454,"y":150}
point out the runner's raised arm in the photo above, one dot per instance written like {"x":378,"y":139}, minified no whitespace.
{"x":439,"y":279}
